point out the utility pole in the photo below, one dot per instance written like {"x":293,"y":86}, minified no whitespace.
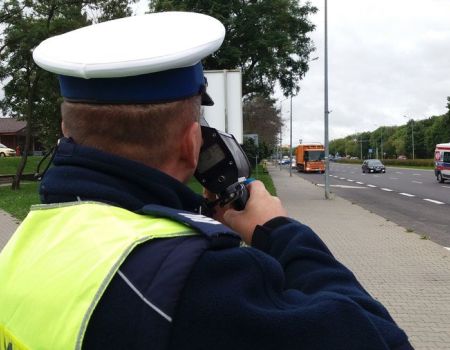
{"x":412,"y":135}
{"x":360,"y":143}
{"x":290,"y":143}
{"x":327,"y":161}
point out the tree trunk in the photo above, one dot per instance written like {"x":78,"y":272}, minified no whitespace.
{"x":23,"y":161}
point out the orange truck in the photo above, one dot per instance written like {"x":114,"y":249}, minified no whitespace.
{"x":310,"y":158}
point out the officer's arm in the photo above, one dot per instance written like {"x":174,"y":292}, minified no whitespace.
{"x":300,"y":297}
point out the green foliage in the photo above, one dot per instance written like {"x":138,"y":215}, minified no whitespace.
{"x":398,"y":140}
{"x":251,"y":150}
{"x":263,"y":119}
{"x":31,"y":93}
{"x":268,"y":39}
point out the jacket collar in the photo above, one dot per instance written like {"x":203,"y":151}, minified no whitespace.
{"x":84,"y":173}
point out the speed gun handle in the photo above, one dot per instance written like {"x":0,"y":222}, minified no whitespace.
{"x":242,"y":195}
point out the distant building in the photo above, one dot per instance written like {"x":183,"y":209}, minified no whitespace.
{"x":12,"y":134}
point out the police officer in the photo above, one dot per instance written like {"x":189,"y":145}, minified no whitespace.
{"x":119,"y":257}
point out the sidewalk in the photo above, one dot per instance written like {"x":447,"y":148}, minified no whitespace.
{"x":8,"y":225}
{"x":409,"y":275}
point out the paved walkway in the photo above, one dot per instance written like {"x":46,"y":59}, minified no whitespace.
{"x":409,"y":275}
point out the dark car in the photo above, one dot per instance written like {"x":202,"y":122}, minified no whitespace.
{"x":373,"y":166}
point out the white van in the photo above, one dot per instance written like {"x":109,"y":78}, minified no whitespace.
{"x":442,"y":162}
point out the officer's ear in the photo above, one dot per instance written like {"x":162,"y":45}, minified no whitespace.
{"x":190,"y":145}
{"x":64,"y":129}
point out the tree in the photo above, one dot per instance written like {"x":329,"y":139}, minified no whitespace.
{"x":262,"y":118}
{"x":267,"y":39}
{"x":32,"y":94}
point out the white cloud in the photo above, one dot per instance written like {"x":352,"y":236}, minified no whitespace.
{"x":387,"y":59}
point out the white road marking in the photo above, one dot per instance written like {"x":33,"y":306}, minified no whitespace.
{"x":360,"y":183}
{"x":386,"y":189}
{"x":417,"y":182}
{"x":350,"y":180}
{"x":448,"y":248}
{"x":407,"y":194}
{"x":433,"y":201}
{"x":446,"y":186}
{"x":342,"y":178}
{"x":373,"y":186}
{"x":344,"y":186}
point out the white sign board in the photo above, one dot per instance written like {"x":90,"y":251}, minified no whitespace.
{"x":225,"y":88}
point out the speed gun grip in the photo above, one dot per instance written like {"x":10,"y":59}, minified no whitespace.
{"x":243,"y":195}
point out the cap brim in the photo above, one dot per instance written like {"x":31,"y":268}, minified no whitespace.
{"x":206,"y":99}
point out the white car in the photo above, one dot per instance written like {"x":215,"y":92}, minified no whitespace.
{"x":6,"y":152}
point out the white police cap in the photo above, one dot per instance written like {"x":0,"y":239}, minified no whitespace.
{"x":142,"y":59}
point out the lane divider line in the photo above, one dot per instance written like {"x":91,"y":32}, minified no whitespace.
{"x":386,"y":189}
{"x":373,"y":186}
{"x":433,"y":201}
{"x":407,"y":194}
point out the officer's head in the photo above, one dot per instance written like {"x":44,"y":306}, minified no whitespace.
{"x":134,"y":86}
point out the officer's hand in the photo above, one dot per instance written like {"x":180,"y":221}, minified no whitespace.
{"x":218,"y":210}
{"x":260,"y":208}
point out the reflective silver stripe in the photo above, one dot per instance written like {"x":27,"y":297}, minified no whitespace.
{"x":153,"y":306}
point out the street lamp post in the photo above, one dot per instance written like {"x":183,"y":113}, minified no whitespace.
{"x":412,"y":134}
{"x":360,"y":142}
{"x":290,"y":143}
{"x":381,"y":144}
{"x":326,"y":112}
{"x":281,"y":138}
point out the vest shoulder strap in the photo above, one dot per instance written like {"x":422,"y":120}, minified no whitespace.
{"x":218,"y":234}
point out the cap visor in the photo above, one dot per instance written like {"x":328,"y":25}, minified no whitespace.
{"x":207,"y":100}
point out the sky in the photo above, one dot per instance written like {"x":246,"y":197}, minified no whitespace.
{"x":386,"y":59}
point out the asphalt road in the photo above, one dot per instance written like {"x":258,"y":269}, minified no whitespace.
{"x":411,"y":198}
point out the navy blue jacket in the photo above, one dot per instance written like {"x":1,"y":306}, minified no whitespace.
{"x":286,"y":292}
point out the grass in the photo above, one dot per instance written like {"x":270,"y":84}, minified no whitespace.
{"x":265,"y":178}
{"x":8,"y":165}
{"x":18,"y":203}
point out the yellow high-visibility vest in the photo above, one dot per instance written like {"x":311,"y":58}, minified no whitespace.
{"x":57,"y":265}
